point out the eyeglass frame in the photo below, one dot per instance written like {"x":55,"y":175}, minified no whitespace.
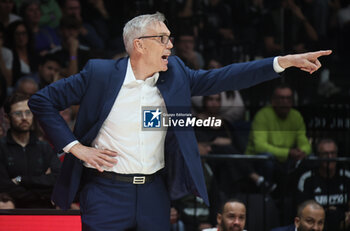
{"x":170,"y":38}
{"x":22,"y":114}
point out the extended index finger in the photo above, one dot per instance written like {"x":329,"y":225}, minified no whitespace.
{"x":317,"y":54}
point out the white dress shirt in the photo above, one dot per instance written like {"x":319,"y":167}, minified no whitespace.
{"x":138,"y":151}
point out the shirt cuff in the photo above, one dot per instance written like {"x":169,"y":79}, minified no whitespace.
{"x":70,"y":145}
{"x":276,"y":65}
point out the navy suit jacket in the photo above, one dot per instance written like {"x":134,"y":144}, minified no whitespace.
{"x":95,"y":89}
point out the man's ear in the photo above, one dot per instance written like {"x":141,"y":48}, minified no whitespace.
{"x":138,"y":45}
{"x":297,"y":222}
{"x":219,"y":218}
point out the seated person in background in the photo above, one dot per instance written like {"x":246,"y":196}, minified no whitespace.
{"x":6,"y":202}
{"x":185,"y":49}
{"x":48,"y":71}
{"x":87,"y":33}
{"x":72,"y":55}
{"x":310,"y":217}
{"x":7,"y":17}
{"x":45,"y":37}
{"x":6,"y":59}
{"x":232,"y":105}
{"x":329,"y":185}
{"x":27,"y":86}
{"x":195,"y":214}
{"x":225,"y":140}
{"x":25,"y":59}
{"x":28,"y":166}
{"x":232,"y":216}
{"x":279,"y":131}
{"x":176,"y":223}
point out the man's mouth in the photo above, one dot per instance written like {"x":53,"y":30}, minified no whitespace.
{"x":165,"y":57}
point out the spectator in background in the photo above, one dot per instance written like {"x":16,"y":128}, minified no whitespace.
{"x":28,"y":167}
{"x":279,"y":131}
{"x":232,"y":216}
{"x":176,"y":223}
{"x":310,"y":217}
{"x":20,"y":41}
{"x":184,"y":14}
{"x":298,"y":34}
{"x":223,"y":136}
{"x":72,"y":55}
{"x":6,"y":202}
{"x":6,"y":59}
{"x":343,"y":19}
{"x":108,"y":18}
{"x":45,"y":37}
{"x":232,"y":106}
{"x":195,"y":214}
{"x":87,"y":33}
{"x":185,"y":48}
{"x":50,"y":13}
{"x":248,"y":22}
{"x":3,"y":84}
{"x":329,"y":185}
{"x":48,"y":71}
{"x":6,"y":15}
{"x":27,"y":86}
{"x":217,"y":30}
{"x":231,"y":176}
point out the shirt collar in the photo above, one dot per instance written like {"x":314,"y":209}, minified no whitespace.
{"x":130,"y":79}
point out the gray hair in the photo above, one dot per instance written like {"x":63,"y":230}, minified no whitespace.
{"x":137,"y":26}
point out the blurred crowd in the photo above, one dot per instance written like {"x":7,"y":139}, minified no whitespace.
{"x":287,"y":121}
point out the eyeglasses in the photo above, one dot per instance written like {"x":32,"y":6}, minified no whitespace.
{"x":164,"y":39}
{"x":22,"y":114}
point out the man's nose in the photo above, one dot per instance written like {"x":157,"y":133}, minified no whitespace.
{"x":236,"y":221}
{"x":170,"y":44}
{"x":317,"y":228}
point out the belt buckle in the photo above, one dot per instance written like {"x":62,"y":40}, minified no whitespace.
{"x":139,"y":180}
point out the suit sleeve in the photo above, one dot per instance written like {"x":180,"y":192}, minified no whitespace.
{"x":47,"y":103}
{"x":231,"y":77}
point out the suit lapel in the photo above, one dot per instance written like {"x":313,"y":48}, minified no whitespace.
{"x":114,"y":84}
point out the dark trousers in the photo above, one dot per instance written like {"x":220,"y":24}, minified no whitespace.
{"x":109,"y":205}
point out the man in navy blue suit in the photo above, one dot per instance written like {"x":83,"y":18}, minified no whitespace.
{"x":310,"y":217}
{"x":127,"y":176}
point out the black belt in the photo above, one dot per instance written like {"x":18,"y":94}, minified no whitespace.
{"x":129,"y":178}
